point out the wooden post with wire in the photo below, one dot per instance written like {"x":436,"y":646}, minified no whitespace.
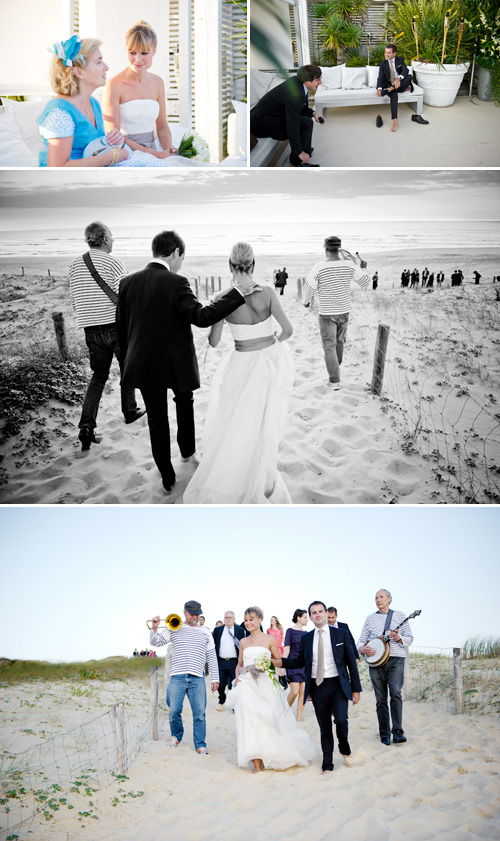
{"x":379,"y":359}
{"x":62,"y":344}
{"x":407,"y":675}
{"x":119,"y":731}
{"x":154,"y":702}
{"x":459,"y":681}
{"x":196,"y":286}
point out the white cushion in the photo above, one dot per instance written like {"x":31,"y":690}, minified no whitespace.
{"x":26,"y":114}
{"x":372,"y":72}
{"x":13,"y":149}
{"x":354,"y":78}
{"x":259,"y":85}
{"x":241,"y":112}
{"x":331,"y":77}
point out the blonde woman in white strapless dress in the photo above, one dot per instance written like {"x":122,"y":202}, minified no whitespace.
{"x":134,"y":101}
{"x":248,"y":402}
{"x":266,"y":731}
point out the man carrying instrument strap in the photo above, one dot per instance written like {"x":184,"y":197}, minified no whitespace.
{"x":389,"y":675}
{"x":192,"y":645}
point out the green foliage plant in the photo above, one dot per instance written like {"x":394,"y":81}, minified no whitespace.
{"x":339,"y":28}
{"x":430,"y":17}
{"x":485,"y":26}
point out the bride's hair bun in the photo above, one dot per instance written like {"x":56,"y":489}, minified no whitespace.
{"x":141,"y":36}
{"x":242,"y":257}
{"x":255,"y":611}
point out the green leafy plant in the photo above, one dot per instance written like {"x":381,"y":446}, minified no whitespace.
{"x":485,"y":26}
{"x":340,"y":30}
{"x":429,"y":16}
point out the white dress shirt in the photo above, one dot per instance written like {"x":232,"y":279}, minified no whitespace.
{"x":227,"y":648}
{"x":330,"y":666}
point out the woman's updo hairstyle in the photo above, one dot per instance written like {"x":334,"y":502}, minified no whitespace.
{"x":254,"y":611}
{"x":62,"y":79}
{"x":242,"y":258}
{"x":141,"y":37}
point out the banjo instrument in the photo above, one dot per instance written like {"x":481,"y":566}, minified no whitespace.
{"x":382,"y":646}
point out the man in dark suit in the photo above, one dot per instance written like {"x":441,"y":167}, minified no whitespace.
{"x":156,"y":309}
{"x":227,"y":645}
{"x":283,"y":113}
{"x":394,"y":78}
{"x":331,"y":679}
{"x":334,"y":623}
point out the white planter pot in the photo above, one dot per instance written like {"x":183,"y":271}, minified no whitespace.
{"x":440,"y":82}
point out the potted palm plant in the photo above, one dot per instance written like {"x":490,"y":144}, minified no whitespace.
{"x":436,"y":37}
{"x":339,"y":29}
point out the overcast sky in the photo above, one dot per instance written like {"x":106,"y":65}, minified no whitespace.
{"x":79,"y":583}
{"x":43,"y":198}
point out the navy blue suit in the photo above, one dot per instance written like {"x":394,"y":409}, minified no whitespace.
{"x":334,"y":693}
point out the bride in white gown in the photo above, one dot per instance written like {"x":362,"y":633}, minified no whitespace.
{"x":248,"y":401}
{"x":134,"y":102}
{"x":266,"y":730}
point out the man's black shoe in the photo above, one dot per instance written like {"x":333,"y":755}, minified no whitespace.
{"x":418,"y":119}
{"x":398,"y":737}
{"x":138,"y":414}
{"x":379,"y":121}
{"x":86,"y":437}
{"x":301,"y":166}
{"x":385,"y":740}
{"x":167,"y":486}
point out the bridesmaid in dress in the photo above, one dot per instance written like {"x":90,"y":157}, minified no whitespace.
{"x":296,"y":677}
{"x":135,"y":98}
{"x":276,"y":631}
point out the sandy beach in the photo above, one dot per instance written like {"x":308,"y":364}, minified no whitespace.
{"x":433,"y":436}
{"x":442,"y":784}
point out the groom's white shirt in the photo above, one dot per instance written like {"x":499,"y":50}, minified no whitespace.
{"x":330,"y":666}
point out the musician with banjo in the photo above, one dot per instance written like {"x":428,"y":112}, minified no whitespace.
{"x":331,"y":280}
{"x":382,"y":643}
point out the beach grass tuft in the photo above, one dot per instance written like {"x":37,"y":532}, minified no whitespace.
{"x":480,"y":647}
{"x":112,"y":668}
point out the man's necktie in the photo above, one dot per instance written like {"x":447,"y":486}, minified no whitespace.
{"x":236,"y":642}
{"x":393,"y":74}
{"x":320,"y":670}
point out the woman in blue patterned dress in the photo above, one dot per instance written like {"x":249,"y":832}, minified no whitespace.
{"x":296,"y":677}
{"x":73,"y":119}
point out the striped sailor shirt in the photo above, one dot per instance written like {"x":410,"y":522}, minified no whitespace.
{"x":374,"y":627}
{"x":91,"y":304}
{"x":191,"y":648}
{"x":331,"y":279}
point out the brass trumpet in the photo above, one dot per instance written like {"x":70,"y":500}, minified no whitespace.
{"x":173,"y":622}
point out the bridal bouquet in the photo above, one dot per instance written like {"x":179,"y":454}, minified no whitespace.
{"x":263,"y":664}
{"x":193,"y":146}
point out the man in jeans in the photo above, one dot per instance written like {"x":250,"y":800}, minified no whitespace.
{"x":95,"y":312}
{"x":330,"y":280}
{"x":192,"y":645}
{"x":389,"y":676}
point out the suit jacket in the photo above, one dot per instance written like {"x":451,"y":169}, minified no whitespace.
{"x":286,"y":102}
{"x":238,"y":632}
{"x":156,"y":308}
{"x":384,"y":73}
{"x":343,"y":654}
{"x":346,"y":627}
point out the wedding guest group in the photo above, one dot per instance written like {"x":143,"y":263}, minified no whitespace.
{"x":283,"y":113}
{"x":323,"y":660}
{"x":389,"y":677}
{"x":192,"y":645}
{"x":93,"y":288}
{"x":330,"y":280}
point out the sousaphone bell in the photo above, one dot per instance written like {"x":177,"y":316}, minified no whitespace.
{"x":173,"y":622}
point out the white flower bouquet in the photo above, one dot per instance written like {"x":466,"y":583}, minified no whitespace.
{"x":193,"y":146}
{"x":263,"y":663}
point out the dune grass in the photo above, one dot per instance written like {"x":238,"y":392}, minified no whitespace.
{"x":112,"y":668}
{"x":481,"y":647}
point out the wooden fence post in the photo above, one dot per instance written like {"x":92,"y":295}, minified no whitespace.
{"x":58,"y":319}
{"x":220,"y":283}
{"x":379,"y":360}
{"x":196,"y":286}
{"x":300,"y":281}
{"x":22,"y":270}
{"x":154,"y":702}
{"x":206,"y":287}
{"x":212,"y":284}
{"x":119,"y":731}
{"x":407,"y":677}
{"x":459,"y":681}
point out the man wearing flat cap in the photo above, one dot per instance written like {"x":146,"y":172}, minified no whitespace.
{"x":331,"y":280}
{"x":192,"y":646}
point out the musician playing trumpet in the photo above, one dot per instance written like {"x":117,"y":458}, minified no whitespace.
{"x":192,"y":645}
{"x":390,"y":675}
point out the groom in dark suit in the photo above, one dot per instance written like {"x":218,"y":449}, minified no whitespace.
{"x":331,"y":679}
{"x":283,"y":113}
{"x":394,"y":78}
{"x":156,"y":309}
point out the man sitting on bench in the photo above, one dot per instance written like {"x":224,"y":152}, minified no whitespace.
{"x":393,"y":79}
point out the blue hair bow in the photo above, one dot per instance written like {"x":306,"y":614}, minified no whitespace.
{"x":68,"y":50}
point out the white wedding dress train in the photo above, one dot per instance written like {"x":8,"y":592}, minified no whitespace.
{"x":244,"y":425}
{"x":266,"y":728}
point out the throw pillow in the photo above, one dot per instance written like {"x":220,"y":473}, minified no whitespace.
{"x":372,"y":71}
{"x":331,"y":77}
{"x":354,"y":78}
{"x":26,"y":114}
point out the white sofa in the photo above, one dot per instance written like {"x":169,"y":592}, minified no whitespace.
{"x":20,"y":141}
{"x":343,"y":86}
